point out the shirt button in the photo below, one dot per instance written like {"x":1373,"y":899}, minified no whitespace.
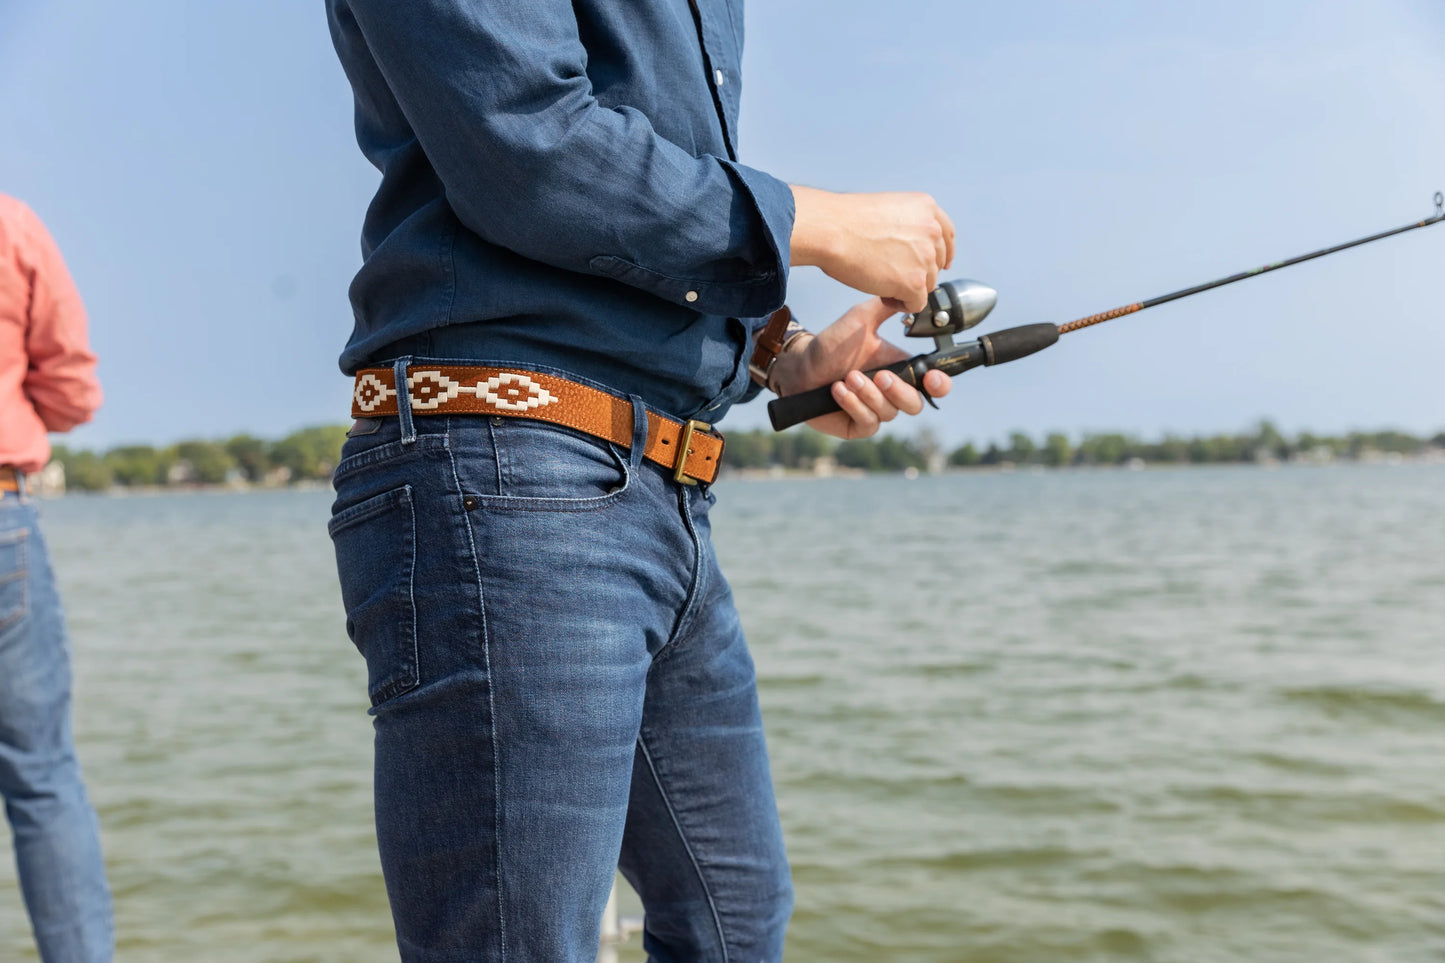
{"x":691,"y":296}
{"x":720,"y":77}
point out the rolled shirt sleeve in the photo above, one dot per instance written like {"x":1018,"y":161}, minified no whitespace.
{"x":499,"y":99}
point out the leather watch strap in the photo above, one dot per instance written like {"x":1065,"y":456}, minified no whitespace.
{"x":769,"y":344}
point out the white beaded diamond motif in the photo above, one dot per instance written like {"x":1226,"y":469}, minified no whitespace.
{"x":430,"y":390}
{"x":514,"y":392}
{"x":371,"y":392}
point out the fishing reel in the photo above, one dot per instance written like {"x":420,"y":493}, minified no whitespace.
{"x":952,"y":307}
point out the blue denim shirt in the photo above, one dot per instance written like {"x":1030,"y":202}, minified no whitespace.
{"x":560,"y":186}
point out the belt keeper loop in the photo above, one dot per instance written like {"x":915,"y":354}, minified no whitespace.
{"x":403,"y":399}
{"x":639,"y":433}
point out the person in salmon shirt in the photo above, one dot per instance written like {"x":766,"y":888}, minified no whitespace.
{"x":47,"y":383}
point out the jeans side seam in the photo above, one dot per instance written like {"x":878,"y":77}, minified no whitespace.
{"x":496,"y":453}
{"x":21,"y":575}
{"x":687,"y":846}
{"x":411,"y":596}
{"x":491,"y":713}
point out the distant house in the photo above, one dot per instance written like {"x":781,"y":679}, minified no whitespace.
{"x":49,"y":481}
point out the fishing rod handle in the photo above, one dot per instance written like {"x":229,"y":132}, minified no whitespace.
{"x":805,"y":405}
{"x":1000,"y":347}
{"x":1011,"y":344}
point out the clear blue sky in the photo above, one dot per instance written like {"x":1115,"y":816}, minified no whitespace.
{"x":196,"y":162}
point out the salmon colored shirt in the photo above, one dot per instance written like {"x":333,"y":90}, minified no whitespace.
{"x":47,"y":372}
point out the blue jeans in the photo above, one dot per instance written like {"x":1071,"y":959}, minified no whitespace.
{"x":560,"y":687}
{"x":57,"y":839}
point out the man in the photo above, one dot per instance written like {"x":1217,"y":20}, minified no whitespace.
{"x":547,"y":322}
{"x":47,"y":383}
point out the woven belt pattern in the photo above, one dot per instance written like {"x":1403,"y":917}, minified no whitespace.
{"x":517,"y":393}
{"x":9,"y":480}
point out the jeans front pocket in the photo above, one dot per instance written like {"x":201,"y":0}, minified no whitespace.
{"x":375,"y":543}
{"x":14,"y":577}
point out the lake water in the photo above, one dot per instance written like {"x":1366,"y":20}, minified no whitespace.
{"x":1171,"y":715}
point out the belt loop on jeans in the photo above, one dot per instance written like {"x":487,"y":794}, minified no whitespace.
{"x":403,"y":399}
{"x":639,"y":433}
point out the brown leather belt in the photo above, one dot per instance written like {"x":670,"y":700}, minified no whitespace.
{"x":517,"y":393}
{"x":9,"y":480}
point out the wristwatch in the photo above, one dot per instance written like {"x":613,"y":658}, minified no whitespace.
{"x":780,"y":332}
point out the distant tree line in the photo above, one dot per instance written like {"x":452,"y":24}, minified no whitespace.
{"x":312,"y":453}
{"x":306,"y":455}
{"x":802,"y":450}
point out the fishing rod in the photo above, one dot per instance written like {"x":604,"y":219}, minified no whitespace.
{"x":956,"y":306}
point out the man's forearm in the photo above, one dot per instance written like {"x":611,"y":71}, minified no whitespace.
{"x":814,"y":226}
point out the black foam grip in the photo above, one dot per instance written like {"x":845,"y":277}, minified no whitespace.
{"x":795,"y":409}
{"x":1010,"y":344}
{"x":798,"y":408}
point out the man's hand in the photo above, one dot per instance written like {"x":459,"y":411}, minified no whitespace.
{"x":891,"y":245}
{"x":839,"y":354}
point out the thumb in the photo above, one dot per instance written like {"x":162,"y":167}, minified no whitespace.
{"x":872,"y":313}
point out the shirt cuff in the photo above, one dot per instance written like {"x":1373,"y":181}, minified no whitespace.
{"x":774,"y":202}
{"x":760,"y":232}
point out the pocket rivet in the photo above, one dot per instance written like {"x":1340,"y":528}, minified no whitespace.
{"x":468,"y":502}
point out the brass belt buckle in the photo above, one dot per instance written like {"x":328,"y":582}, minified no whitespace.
{"x":678,"y":475}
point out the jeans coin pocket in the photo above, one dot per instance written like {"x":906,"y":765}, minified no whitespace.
{"x":544,"y":467}
{"x":14,"y":576}
{"x":375,"y":542}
